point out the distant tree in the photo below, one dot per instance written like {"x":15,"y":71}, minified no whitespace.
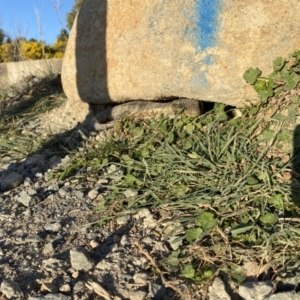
{"x":58,"y":48}
{"x":2,"y":36}
{"x":63,"y":35}
{"x":72,"y":14}
{"x":6,"y":52}
{"x":31,"y":50}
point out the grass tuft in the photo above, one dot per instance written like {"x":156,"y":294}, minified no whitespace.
{"x":212,"y":175}
{"x":22,"y":107}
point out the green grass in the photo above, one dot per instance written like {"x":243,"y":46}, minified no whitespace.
{"x":27,"y":104}
{"x":213,"y":178}
{"x":227,"y":186}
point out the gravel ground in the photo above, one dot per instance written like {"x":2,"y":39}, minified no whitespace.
{"x":50,"y":247}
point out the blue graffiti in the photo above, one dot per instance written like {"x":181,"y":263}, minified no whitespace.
{"x":207,"y":22}
{"x":204,"y":15}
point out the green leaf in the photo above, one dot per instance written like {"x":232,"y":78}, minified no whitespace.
{"x":207,"y":221}
{"x":131,"y":179}
{"x":253,"y":110}
{"x":275,"y":76}
{"x":180,"y":190}
{"x":268,"y":218}
{"x":278,"y":64}
{"x":284,"y":136}
{"x":194,"y":155}
{"x":145,"y":152}
{"x":252,"y":180}
{"x":237,"y":231}
{"x":265,"y":94}
{"x":279,"y":117}
{"x":295,"y":99}
{"x":264,"y":89}
{"x":188,"y":144}
{"x":204,"y":275}
{"x":251,"y":75}
{"x":219,"y":108}
{"x":193,"y":234}
{"x":127,"y":160}
{"x":267,"y":135}
{"x":170,"y":138}
{"x":262,"y":175}
{"x":291,"y":81}
{"x":188,"y":271}
{"x":277,"y":201}
{"x":285,"y":73}
{"x":189,"y":128}
{"x":171,"y":263}
{"x":138,"y":131}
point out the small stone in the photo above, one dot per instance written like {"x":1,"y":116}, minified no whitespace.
{"x":78,"y":287}
{"x":123,"y":220}
{"x":49,"y":287}
{"x":48,"y":249}
{"x":11,"y":181}
{"x":27,"y":182}
{"x":53,"y":227}
{"x":11,"y":289}
{"x":217,"y":290}
{"x":175,"y":242}
{"x":104,"y":265}
{"x":27,"y":212}
{"x":114,"y":247}
{"x":148,"y":219}
{"x":53,"y":264}
{"x":33,"y":239}
{"x":140,"y":278}
{"x":124,"y":240}
{"x":93,"y":194}
{"x":83,"y":229}
{"x":139,"y":295}
{"x":148,"y":241}
{"x":157,"y":290}
{"x":284,"y":296}
{"x":94,"y":244}
{"x":53,"y":188}
{"x":38,"y":175}
{"x":79,"y":259}
{"x":46,"y":176}
{"x":255,"y":290}
{"x":143,"y":213}
{"x":79,"y":194}
{"x":129,"y":193}
{"x":28,"y":200}
{"x":91,"y":235}
{"x":102,"y":181}
{"x":75,"y":274}
{"x":35,"y":160}
{"x":50,"y":297}
{"x":63,"y":192}
{"x":65,"y":288}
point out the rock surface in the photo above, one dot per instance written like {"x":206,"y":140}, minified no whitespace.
{"x":151,"y":50}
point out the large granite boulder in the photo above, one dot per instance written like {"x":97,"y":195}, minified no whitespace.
{"x":122,"y":50}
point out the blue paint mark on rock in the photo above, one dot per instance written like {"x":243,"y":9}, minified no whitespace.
{"x":207,"y":22}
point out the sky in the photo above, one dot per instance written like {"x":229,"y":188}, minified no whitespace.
{"x":20,"y":18}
